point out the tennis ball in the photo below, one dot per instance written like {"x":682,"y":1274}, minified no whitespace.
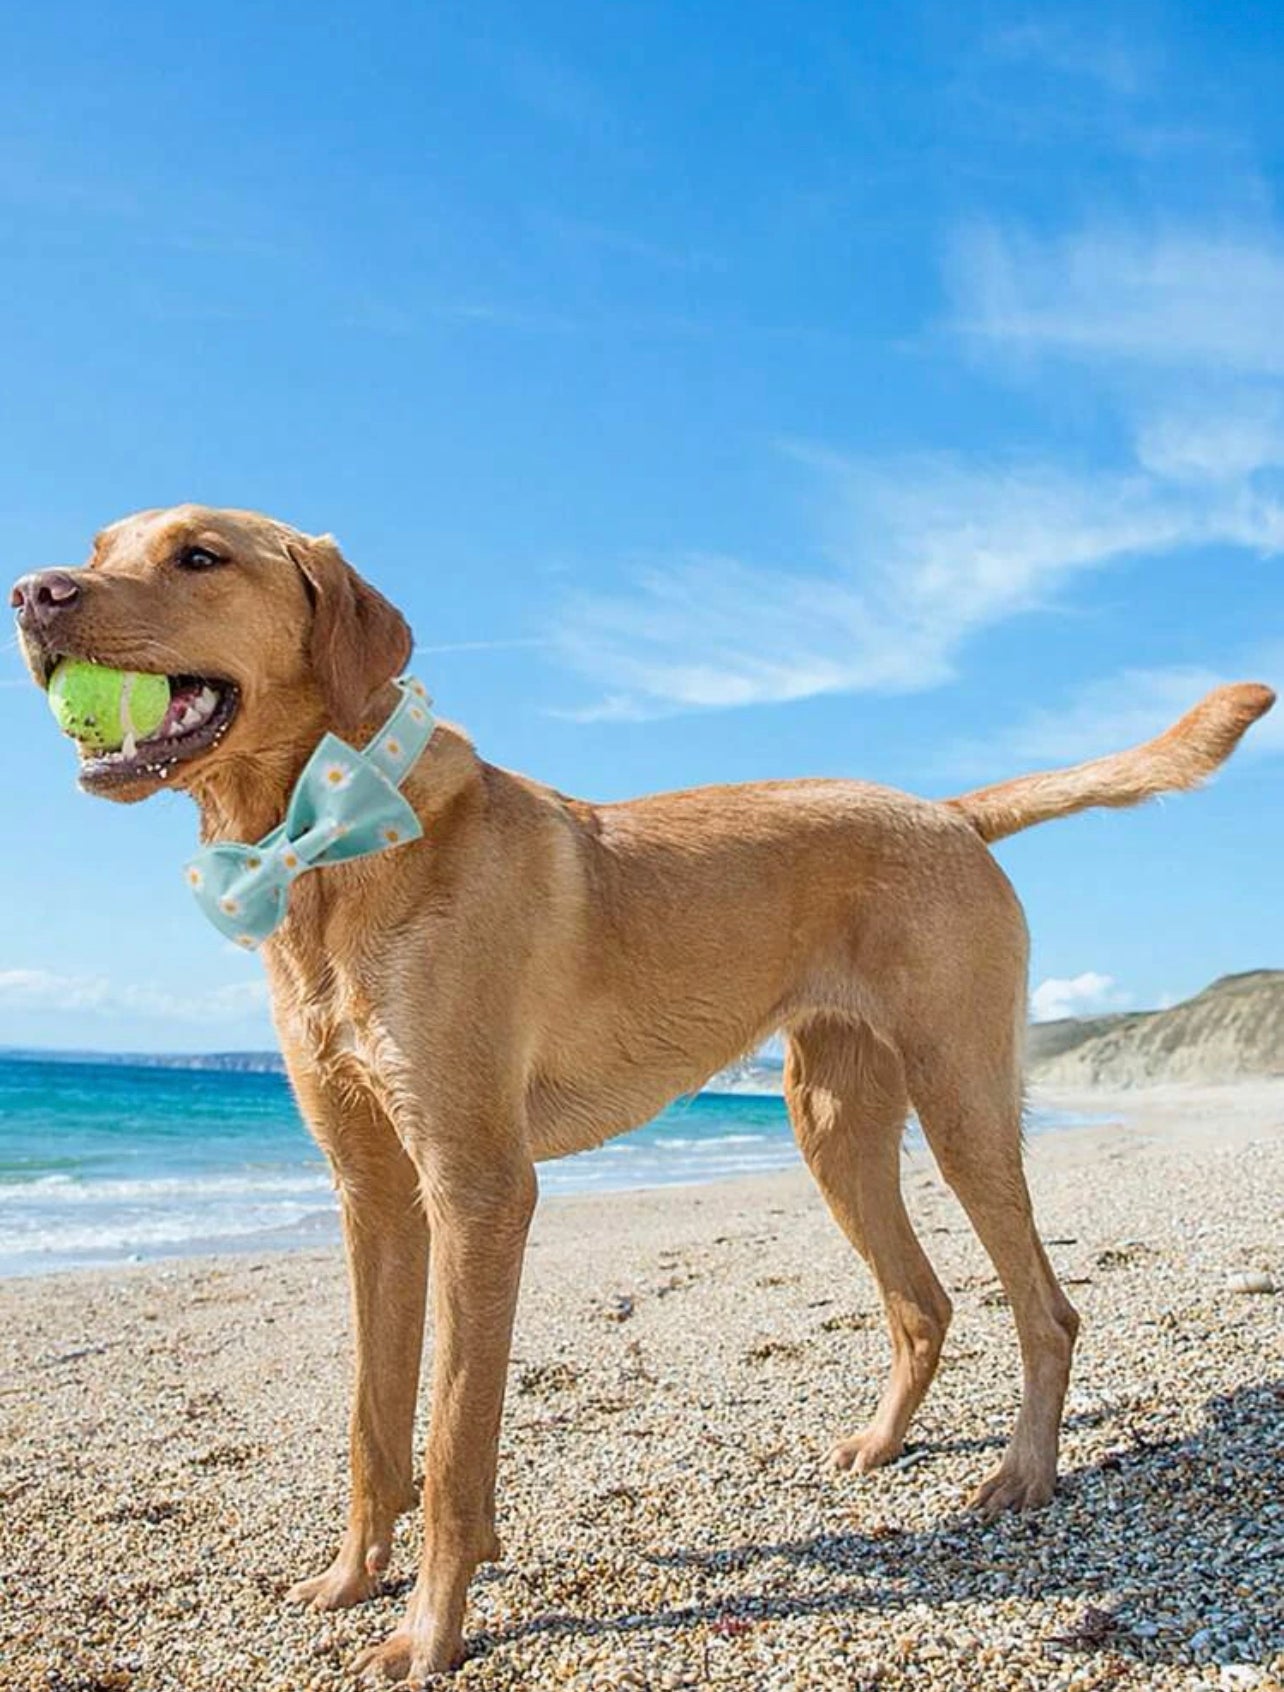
{"x":102,"y":708}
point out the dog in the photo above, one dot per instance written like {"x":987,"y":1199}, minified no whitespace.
{"x":537,"y":973}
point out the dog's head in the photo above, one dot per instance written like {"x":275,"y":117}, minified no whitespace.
{"x":266,"y":634}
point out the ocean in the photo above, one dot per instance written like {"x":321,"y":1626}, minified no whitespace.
{"x":109,"y":1162}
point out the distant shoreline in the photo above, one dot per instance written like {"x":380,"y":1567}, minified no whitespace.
{"x":1232,"y":1031}
{"x":752,"y":1076}
{"x":248,"y":1063}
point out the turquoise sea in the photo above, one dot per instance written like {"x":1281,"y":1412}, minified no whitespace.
{"x":103,"y":1162}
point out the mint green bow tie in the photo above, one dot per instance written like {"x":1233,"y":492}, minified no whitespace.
{"x":345,"y":805}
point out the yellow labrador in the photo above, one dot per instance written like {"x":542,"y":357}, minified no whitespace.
{"x":539,"y":973}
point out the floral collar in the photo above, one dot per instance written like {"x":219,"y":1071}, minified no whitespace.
{"x":346,"y":804}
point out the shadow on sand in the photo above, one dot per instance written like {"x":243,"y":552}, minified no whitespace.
{"x":1175,"y":1548}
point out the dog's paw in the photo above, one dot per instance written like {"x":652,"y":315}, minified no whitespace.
{"x":871,"y":1449}
{"x":343,"y":1584}
{"x":1014,"y":1485}
{"x":408,"y":1656}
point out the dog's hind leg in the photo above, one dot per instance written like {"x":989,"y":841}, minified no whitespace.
{"x":970,"y":1108}
{"x":848,"y":1104}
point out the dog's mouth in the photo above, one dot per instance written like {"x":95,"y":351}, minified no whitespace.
{"x":200,"y":712}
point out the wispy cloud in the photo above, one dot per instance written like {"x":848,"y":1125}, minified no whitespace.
{"x":1234,"y":436}
{"x":504,"y":645}
{"x":1101,"y":56}
{"x":624,"y":244}
{"x":926,"y":554}
{"x":1170,"y":298}
{"x":47,"y":990}
{"x":1179,"y":327}
{"x":1078,"y":995}
{"x":1182,"y":328}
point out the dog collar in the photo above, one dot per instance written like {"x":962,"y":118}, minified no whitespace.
{"x":345,"y":805}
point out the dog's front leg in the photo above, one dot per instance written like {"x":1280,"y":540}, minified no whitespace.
{"x":385,"y":1234}
{"x":480,"y":1200}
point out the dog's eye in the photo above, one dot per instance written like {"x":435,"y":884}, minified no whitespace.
{"x":198,"y":558}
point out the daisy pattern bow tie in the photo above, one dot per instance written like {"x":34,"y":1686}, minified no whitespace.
{"x":346,"y":804}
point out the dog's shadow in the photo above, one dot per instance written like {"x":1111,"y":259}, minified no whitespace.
{"x":1166,"y":1544}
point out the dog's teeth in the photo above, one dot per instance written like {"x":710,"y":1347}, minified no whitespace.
{"x":207,"y":699}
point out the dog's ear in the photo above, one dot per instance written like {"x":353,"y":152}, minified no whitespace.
{"x":359,"y":641}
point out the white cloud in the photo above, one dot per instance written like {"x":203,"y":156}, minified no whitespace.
{"x":1182,"y":327}
{"x":926,"y":553}
{"x":502,"y":645}
{"x":46,"y":990}
{"x":1078,"y":995}
{"x":1171,"y":298}
{"x":1098,"y":57}
{"x":1231,"y":438}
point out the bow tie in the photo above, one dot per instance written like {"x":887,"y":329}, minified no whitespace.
{"x":345,"y":805}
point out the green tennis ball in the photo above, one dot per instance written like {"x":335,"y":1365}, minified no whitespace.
{"x":101,"y":707}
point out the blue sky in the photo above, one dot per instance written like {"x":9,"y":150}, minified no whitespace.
{"x":724,"y":392}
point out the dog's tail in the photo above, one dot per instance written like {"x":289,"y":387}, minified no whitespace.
{"x":1183,"y":756}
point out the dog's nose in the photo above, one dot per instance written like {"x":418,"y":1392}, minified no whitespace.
{"x":42,"y":596}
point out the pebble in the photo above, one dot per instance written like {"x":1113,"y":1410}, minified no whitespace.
{"x":1251,"y":1283}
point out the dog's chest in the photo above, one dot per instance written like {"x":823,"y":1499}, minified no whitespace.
{"x":345,"y":1045}
{"x":330,"y":1021}
{"x":351,"y":1048}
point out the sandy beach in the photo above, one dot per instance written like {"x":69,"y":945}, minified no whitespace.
{"x":173,"y":1447}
